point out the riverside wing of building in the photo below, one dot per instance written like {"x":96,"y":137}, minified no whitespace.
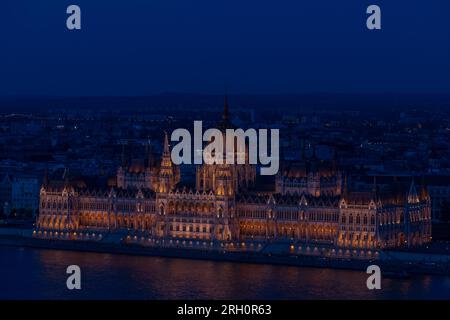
{"x":308,"y":202}
{"x":386,"y":218}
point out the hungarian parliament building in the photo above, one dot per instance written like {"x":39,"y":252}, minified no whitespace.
{"x":307,"y":202}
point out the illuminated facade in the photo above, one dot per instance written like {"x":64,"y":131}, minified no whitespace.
{"x":308,"y":204}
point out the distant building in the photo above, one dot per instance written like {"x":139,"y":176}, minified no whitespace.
{"x":25,"y":193}
{"x":439,"y":190}
{"x":5,"y":189}
{"x":19,"y":191}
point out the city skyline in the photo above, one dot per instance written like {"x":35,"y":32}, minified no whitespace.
{"x":225,"y":151}
{"x":351,"y":189}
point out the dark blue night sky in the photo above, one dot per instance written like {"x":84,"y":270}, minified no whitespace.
{"x":142,"y":47}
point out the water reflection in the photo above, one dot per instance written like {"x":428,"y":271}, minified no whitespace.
{"x":41,"y":274}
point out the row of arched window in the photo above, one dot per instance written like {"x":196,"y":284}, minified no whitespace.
{"x":357,"y":219}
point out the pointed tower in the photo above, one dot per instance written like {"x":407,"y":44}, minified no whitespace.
{"x":66,"y":177}
{"x":413,"y":197}
{"x":225,"y":122}
{"x":169,"y":174}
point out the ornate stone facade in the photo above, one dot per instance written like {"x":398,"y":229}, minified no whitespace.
{"x":308,"y":203}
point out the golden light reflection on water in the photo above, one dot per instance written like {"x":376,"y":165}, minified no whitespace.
{"x":107,"y":276}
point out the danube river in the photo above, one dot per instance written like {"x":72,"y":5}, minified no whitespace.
{"x":41,"y":274}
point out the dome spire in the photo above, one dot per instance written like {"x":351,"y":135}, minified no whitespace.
{"x":225,"y":122}
{"x":166,"y":144}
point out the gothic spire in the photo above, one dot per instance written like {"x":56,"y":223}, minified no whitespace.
{"x":66,"y":177}
{"x":225,"y":122}
{"x":412,"y":194}
{"x":166,"y":144}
